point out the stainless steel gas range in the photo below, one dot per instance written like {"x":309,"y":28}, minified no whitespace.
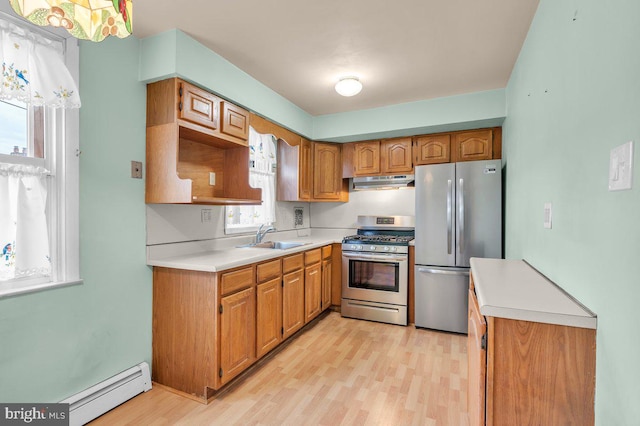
{"x":375,"y":269}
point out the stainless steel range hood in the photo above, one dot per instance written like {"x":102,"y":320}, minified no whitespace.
{"x":382,"y":182}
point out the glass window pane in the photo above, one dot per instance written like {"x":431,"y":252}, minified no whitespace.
{"x":14,"y":119}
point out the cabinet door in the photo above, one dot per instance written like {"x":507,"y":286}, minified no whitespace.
{"x":305,"y":172}
{"x":477,"y":358}
{"x":292,"y":302}
{"x":366,"y":159}
{"x":327,"y":171}
{"x":237,"y":343}
{"x":312,"y":292}
{"x":235,"y":121}
{"x":268,"y":316}
{"x":433,"y":149}
{"x":198,"y":106}
{"x":473,"y":145}
{"x":395,"y":156}
{"x":326,"y":283}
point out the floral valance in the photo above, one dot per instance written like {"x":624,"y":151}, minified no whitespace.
{"x":33,"y":69}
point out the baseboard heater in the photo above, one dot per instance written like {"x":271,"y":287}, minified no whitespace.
{"x":98,"y":399}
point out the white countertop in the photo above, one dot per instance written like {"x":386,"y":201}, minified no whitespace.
{"x":513,"y":289}
{"x":200,"y":256}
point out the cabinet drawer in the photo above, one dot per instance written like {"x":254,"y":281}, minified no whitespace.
{"x":268,"y":270}
{"x":236,"y":280}
{"x":326,"y":252}
{"x":292,"y":263}
{"x":312,"y":256}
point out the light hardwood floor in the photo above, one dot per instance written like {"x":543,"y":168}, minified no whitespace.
{"x":340,"y":371}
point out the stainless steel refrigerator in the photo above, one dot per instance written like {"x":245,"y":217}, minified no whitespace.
{"x":458,"y":216}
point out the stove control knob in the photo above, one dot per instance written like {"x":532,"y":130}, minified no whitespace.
{"x":372,"y":248}
{"x":359,"y":248}
{"x":386,"y":248}
{"x":395,"y":249}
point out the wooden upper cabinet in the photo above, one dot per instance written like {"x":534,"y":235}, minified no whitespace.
{"x":395,"y":156}
{"x":186,"y":144}
{"x":198,"y":106}
{"x":432,"y":149}
{"x":327,"y":172}
{"x":366,"y":158}
{"x":235,"y":121}
{"x":473,"y":145}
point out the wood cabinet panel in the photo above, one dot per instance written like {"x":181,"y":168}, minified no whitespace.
{"x":268,"y":316}
{"x":336,"y":279}
{"x":555,"y":379}
{"x":477,"y":359}
{"x":473,"y":145}
{"x":312,"y":291}
{"x":293,"y":302}
{"x":326,"y":283}
{"x":237,"y":332}
{"x":306,"y":170}
{"x":326,"y":252}
{"x":237,"y":280}
{"x":235,"y":121}
{"x":268,"y":270}
{"x":395,"y":156}
{"x":366,"y":158}
{"x":198,"y":106}
{"x":327,"y":172}
{"x":432,"y":149}
{"x":184,"y":316}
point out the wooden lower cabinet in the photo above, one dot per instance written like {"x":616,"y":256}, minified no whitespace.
{"x":210,"y":327}
{"x":532,"y":373}
{"x":237,"y":334}
{"x":312,"y":291}
{"x":327,"y":266}
{"x":292,"y":302}
{"x":268,"y":316}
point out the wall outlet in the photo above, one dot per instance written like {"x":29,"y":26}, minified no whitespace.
{"x":205,"y":215}
{"x":621,"y":167}
{"x":547,"y":215}
{"x":298,"y":217}
{"x":212,"y":178}
{"x":136,"y":169}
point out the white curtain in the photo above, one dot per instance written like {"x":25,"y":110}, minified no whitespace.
{"x":261,"y":175}
{"x":24,"y":241}
{"x":33,"y":69}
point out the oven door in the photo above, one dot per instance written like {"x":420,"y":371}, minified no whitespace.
{"x":373,"y":277}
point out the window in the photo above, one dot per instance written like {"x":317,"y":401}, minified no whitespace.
{"x":39,"y":241}
{"x":241,"y":219}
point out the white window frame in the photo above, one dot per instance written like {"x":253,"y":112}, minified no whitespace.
{"x":62,"y":136}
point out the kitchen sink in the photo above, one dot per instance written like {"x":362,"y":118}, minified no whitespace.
{"x":277,"y":245}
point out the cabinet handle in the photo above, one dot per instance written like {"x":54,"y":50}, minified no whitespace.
{"x":313,"y":273}
{"x":293,"y":281}
{"x":180,"y":91}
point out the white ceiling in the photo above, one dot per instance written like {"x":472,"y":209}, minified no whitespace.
{"x":402,"y":50}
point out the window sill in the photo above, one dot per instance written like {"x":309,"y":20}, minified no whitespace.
{"x":11,"y":292}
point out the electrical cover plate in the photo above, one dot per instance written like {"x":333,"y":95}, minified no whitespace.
{"x":621,"y":167}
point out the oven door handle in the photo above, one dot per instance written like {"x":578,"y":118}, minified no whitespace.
{"x":365,"y":256}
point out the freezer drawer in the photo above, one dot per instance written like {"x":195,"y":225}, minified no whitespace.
{"x":441,"y":298}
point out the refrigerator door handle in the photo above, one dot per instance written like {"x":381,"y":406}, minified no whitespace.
{"x":449,"y":221}
{"x":461,"y":217}
{"x":441,"y":271}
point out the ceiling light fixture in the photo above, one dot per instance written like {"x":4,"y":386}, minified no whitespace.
{"x":92,"y":20}
{"x":348,"y":86}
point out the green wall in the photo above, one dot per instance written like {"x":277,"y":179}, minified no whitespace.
{"x":55,"y":343}
{"x":573,"y":95}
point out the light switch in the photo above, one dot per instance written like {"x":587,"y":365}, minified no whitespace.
{"x":621,"y":167}
{"x":547,"y":215}
{"x":212,"y":178}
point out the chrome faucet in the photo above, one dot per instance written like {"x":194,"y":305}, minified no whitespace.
{"x":261,"y":233}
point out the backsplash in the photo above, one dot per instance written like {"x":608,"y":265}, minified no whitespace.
{"x":172,"y":223}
